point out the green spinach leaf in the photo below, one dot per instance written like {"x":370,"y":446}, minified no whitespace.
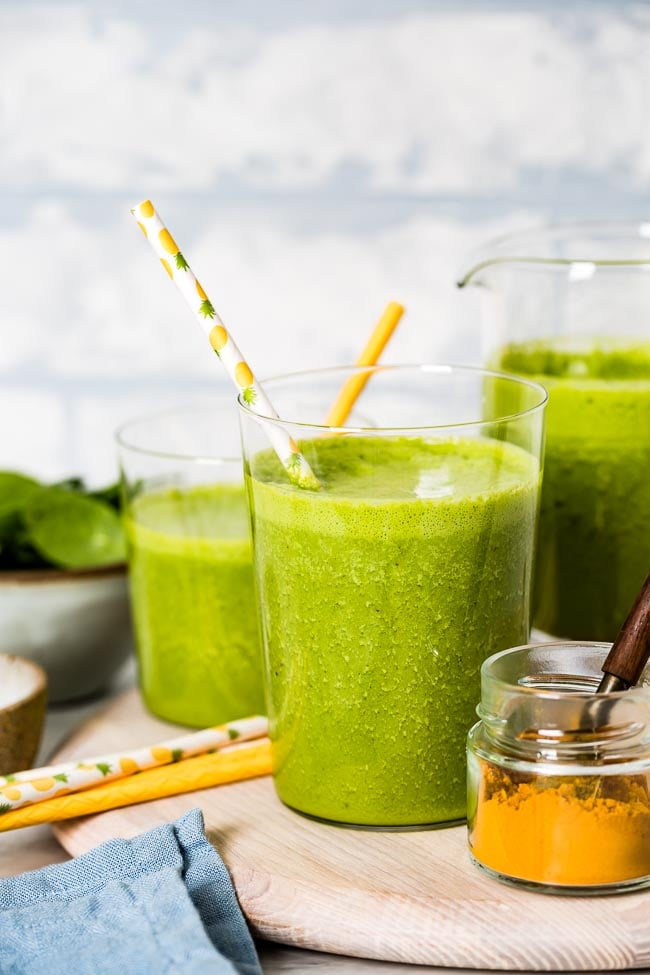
{"x":72,"y":530}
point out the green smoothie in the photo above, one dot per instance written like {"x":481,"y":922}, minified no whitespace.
{"x":594,"y":539}
{"x":381,"y":595}
{"x":191,"y":579}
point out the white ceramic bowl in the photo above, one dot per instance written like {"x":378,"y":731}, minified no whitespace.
{"x":76,"y":624}
{"x":23,"y":698}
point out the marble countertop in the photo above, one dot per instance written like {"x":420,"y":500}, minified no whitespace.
{"x":32,"y":848}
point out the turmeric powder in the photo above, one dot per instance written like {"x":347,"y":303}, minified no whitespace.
{"x":582,"y":831}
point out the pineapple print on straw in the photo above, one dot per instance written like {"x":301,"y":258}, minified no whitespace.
{"x":36,"y":785}
{"x":222,"y":342}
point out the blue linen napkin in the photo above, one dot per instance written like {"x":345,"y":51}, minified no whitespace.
{"x":162,"y":902}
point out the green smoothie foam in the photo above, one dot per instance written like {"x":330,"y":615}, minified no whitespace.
{"x":380,"y":596}
{"x":191,"y":579}
{"x":594,"y":539}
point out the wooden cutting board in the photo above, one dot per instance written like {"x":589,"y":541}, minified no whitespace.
{"x":409,"y":897}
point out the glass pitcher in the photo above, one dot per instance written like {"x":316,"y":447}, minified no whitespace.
{"x":570,"y":307}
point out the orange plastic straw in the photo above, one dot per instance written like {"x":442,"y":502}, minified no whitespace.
{"x":352,"y":387}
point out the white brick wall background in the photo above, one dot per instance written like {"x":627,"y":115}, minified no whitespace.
{"x":313,"y":160}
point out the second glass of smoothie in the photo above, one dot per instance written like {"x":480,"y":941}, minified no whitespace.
{"x":382,"y":593}
{"x":190,"y":565}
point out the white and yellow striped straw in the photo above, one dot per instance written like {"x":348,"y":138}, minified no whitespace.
{"x":35,"y":785}
{"x":222,"y":341}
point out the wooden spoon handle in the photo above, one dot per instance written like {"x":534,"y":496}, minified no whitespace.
{"x":631,"y":648}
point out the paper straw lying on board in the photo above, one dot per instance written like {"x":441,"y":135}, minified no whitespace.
{"x":41,"y":785}
{"x":376,"y":344}
{"x":246,"y":761}
{"x":222,"y":341}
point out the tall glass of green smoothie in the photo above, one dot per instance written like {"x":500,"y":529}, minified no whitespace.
{"x":569,"y":307}
{"x":381,"y":593}
{"x":190,"y":565}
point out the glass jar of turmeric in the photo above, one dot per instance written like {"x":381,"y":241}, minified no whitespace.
{"x":559,"y":777}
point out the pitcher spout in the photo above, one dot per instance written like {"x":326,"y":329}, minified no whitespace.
{"x":575,"y":250}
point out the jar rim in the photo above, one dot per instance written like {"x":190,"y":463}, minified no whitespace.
{"x":541,"y":719}
{"x":495,"y":681}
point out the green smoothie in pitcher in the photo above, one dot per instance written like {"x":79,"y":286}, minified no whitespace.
{"x":191,"y":579}
{"x":380,"y":596}
{"x":594,"y":536}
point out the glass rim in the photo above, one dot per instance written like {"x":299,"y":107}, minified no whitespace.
{"x":633,"y":230}
{"x":556,"y":695}
{"x":443,"y":369}
{"x":207,"y":459}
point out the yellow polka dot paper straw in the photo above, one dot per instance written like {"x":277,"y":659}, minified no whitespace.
{"x":222,"y":341}
{"x":37,"y":785}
